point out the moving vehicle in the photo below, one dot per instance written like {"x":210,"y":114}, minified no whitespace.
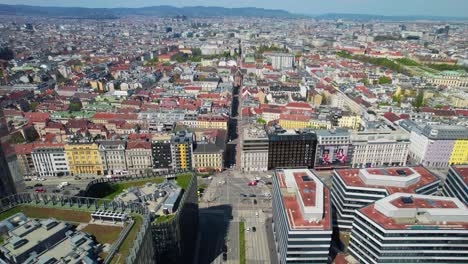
{"x":254,"y":229}
{"x":252,"y":183}
{"x":38,"y":185}
{"x":224,"y":256}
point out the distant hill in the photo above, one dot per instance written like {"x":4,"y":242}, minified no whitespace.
{"x":194,"y":11}
{"x":365,"y":17}
{"x":162,"y":11}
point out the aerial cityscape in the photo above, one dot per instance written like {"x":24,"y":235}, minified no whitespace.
{"x":247,"y":132}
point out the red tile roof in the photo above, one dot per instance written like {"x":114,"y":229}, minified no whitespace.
{"x":138,"y":144}
{"x":463,"y":172}
{"x":350,"y":178}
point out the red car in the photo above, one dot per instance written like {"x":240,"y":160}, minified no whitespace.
{"x":252,"y":183}
{"x":40,"y":190}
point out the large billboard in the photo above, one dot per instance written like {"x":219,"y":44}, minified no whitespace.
{"x":332,"y":156}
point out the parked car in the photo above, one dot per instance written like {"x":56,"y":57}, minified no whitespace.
{"x":38,"y":185}
{"x":254,"y":229}
{"x":224,"y":256}
{"x":40,"y":190}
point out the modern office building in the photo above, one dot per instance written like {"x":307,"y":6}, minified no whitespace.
{"x":333,"y":149}
{"x":174,"y":240}
{"x":254,"y":149}
{"x":356,"y":188}
{"x":7,"y":185}
{"x":113,"y":156}
{"x":162,"y":154}
{"x":411,"y":228}
{"x":291,"y":148}
{"x":280,"y":61}
{"x":438,"y":145}
{"x":302,"y":224}
{"x":456,"y":183}
{"x":49,"y":160}
{"x":182,"y":150}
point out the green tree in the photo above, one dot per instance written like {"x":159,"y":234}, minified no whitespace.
{"x":385,"y":80}
{"x":261,"y":121}
{"x":75,"y":107}
{"x":16,"y":138}
{"x":33,"y":105}
{"x":365,"y":81}
{"x":407,"y":62}
{"x":419,"y":100}
{"x":179,"y":57}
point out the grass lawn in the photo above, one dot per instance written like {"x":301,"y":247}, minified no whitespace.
{"x":103,"y":234}
{"x":118,"y":188}
{"x":10,"y":212}
{"x":183,"y":180}
{"x":242,"y":243}
{"x":124,"y":249}
{"x":42,"y":212}
{"x":163,"y":218}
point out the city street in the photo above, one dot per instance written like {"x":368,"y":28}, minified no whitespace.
{"x":223,"y":206}
{"x":50,"y":184}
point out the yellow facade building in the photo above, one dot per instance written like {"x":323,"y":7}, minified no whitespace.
{"x":459,"y":153}
{"x":205,"y":161}
{"x":300,"y":122}
{"x":83,"y":158}
{"x":182,"y":149}
{"x":349,"y":122}
{"x":211,"y":122}
{"x":293,"y":124}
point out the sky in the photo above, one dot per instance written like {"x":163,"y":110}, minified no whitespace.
{"x":373,"y":7}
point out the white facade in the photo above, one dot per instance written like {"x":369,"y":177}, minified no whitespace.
{"x":254,"y":151}
{"x":50,"y":161}
{"x":374,"y":149}
{"x":139,"y":160}
{"x":113,"y":156}
{"x":281,"y":61}
{"x":302,"y":229}
{"x":367,"y":188}
{"x":395,"y":231}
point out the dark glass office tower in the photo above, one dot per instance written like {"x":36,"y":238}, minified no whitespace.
{"x":162,"y":156}
{"x":174,"y":240}
{"x":289,"y":148}
{"x":7,"y":185}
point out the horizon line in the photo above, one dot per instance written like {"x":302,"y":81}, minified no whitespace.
{"x":243,"y":7}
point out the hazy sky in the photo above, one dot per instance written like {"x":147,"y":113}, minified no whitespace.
{"x":380,"y":7}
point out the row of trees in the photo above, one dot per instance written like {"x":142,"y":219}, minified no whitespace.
{"x":382,"y":62}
